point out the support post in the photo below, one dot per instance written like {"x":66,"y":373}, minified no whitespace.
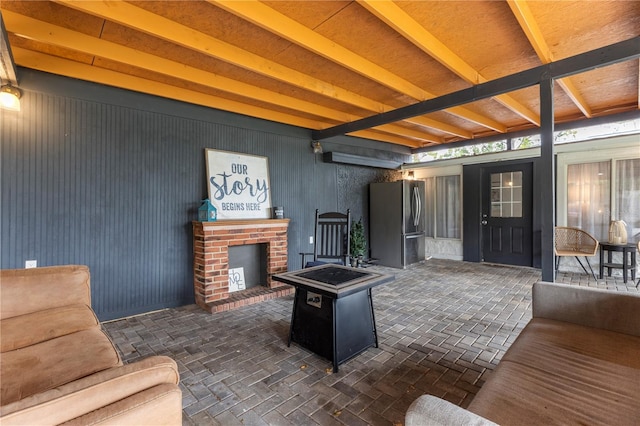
{"x":546,"y":180}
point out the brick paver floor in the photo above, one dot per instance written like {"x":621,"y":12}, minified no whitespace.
{"x":442,"y":326}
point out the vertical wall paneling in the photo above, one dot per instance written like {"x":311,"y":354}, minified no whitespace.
{"x":87,"y":178}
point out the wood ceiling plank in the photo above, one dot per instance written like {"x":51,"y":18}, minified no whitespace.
{"x":315,"y":12}
{"x":271,"y":20}
{"x":166,"y":29}
{"x":379,"y":136}
{"x":484,"y":34}
{"x":574,"y":27}
{"x":277,"y":23}
{"x":399,"y":20}
{"x":606,"y":87}
{"x":439,"y":124}
{"x":404,"y":131}
{"x":145,"y":43}
{"x":47,"y":11}
{"x":528,"y":23}
{"x":61,"y":37}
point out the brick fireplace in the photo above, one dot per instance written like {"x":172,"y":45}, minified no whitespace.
{"x":211,"y":241}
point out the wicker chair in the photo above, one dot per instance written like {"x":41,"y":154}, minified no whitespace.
{"x":575,"y":242}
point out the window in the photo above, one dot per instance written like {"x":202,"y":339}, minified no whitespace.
{"x":628,"y":195}
{"x":594,"y":198}
{"x":444,"y":212}
{"x":506,"y":194}
{"x":588,"y":197}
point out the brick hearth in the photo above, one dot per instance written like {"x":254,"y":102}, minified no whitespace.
{"x":211,"y":241}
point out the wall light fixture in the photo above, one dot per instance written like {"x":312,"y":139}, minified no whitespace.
{"x":10,"y":97}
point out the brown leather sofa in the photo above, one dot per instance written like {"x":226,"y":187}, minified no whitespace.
{"x":57,"y":365}
{"x":576,"y":362}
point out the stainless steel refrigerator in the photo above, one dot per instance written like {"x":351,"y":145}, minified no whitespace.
{"x":397,"y":222}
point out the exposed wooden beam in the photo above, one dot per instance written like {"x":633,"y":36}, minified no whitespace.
{"x":392,"y":15}
{"x":7,"y":64}
{"x":271,"y":20}
{"x":150,"y":23}
{"x":275,"y":22}
{"x":43,"y":62}
{"x":139,"y":19}
{"x":527,"y":22}
{"x":62,"y":37}
{"x":68,"y":68}
{"x":58,"y":36}
{"x":605,"y":56}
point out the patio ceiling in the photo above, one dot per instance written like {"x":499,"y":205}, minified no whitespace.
{"x":320,"y":64}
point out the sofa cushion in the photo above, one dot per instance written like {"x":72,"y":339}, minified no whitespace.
{"x":54,"y":362}
{"x":44,"y":325}
{"x":31,"y":290}
{"x":559,"y":373}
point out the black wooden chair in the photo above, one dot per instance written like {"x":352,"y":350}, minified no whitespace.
{"x":331,"y":239}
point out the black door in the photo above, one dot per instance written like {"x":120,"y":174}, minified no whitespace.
{"x":507,"y":222}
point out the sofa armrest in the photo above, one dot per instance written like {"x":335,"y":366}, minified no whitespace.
{"x":90,"y":393}
{"x":590,"y":307}
{"x":430,"y":410}
{"x":160,"y":405}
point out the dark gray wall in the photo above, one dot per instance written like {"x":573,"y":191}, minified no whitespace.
{"x":112,"y":179}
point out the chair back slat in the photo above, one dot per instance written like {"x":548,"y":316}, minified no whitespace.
{"x":332,"y":237}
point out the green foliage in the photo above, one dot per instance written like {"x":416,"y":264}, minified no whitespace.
{"x":358,"y":242}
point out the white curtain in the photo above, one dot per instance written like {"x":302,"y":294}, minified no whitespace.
{"x":628,"y":196}
{"x":448,"y":211}
{"x":588,"y":198}
{"x":430,"y":189}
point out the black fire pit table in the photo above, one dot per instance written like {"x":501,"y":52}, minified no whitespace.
{"x":333,"y":310}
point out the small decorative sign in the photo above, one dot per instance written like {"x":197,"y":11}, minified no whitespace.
{"x":236,"y":279}
{"x":238,"y":185}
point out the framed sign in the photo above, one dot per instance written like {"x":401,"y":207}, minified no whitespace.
{"x":238,"y":185}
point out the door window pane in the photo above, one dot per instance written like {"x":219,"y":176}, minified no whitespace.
{"x":588,"y":197}
{"x":506,"y":194}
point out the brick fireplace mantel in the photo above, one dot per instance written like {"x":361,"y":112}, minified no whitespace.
{"x":211,"y":241}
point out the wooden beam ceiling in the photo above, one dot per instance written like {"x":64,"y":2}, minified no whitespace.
{"x":399,"y":20}
{"x":336,"y":65}
{"x":528,"y":23}
{"x":603,"y":57}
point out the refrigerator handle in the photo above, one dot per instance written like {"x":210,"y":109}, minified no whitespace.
{"x":418,"y":206}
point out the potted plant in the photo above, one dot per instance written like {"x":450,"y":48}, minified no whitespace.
{"x":358,"y":242}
